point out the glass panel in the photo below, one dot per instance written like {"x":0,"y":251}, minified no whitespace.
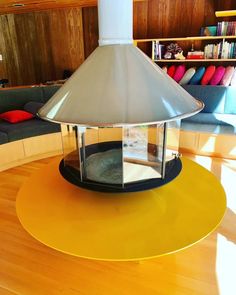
{"x":101,"y":155}
{"x":70,"y":150}
{"x":172,"y":142}
{"x":142,"y":152}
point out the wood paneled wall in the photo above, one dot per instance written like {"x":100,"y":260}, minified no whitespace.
{"x":38,"y":46}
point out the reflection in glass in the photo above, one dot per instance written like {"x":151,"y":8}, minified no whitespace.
{"x":142,"y":152}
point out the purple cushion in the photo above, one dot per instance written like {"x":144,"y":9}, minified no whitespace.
{"x":218,"y":75}
{"x":179,"y":73}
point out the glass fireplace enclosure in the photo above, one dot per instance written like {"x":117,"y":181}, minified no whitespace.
{"x":127,"y":158}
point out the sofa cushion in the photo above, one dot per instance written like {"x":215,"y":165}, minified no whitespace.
{"x":233,"y":80}
{"x":187,"y":76}
{"x":49,"y":91}
{"x":208,"y":75}
{"x":33,"y":107}
{"x":16,"y":116}
{"x":171,"y":71}
{"x":215,"y":123}
{"x":3,"y":138}
{"x":33,"y":127}
{"x":179,"y":73}
{"x":218,"y":119}
{"x":229,"y":71}
{"x":197,"y":77}
{"x":218,"y":75}
{"x":230,"y":102}
{"x":13,"y":99}
{"x":208,"y":128}
{"x":214,"y":98}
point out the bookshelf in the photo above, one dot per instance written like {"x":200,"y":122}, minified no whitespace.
{"x":195,"y":60}
{"x":193,"y":38}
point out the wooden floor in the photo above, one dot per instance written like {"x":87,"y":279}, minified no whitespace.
{"x":30,"y":268}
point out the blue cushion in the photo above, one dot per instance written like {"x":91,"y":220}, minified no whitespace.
{"x":214,"y":97}
{"x":197,"y":77}
{"x":3,"y":138}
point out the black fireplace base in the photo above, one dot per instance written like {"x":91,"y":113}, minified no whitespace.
{"x":173,"y":168}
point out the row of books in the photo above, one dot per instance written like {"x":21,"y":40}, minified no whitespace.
{"x":226,"y":28}
{"x":222,"y":50}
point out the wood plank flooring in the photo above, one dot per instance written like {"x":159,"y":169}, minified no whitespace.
{"x":30,"y":268}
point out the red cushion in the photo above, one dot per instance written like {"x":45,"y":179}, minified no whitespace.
{"x":208,"y":75}
{"x":171,"y":71}
{"x":16,"y":116}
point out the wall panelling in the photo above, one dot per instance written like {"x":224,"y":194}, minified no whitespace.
{"x":38,"y":46}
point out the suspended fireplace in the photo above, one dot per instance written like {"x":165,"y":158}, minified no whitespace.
{"x":123,"y":113}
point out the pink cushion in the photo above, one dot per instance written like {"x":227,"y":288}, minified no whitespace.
{"x":229,"y":71}
{"x":171,"y":71}
{"x":208,"y":75}
{"x":233,"y":80}
{"x":179,"y":73}
{"x":218,"y":75}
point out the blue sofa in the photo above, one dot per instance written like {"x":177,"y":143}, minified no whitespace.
{"x":15,"y":99}
{"x":219,"y":114}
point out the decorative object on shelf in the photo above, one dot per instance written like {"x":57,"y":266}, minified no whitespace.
{"x":168,"y":55}
{"x":195,"y":55}
{"x":210,"y":70}
{"x":180,"y":56}
{"x":218,"y":75}
{"x":187,"y":76}
{"x":208,"y":31}
{"x":171,"y":50}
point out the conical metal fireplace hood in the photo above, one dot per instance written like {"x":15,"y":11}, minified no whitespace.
{"x":118,"y":84}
